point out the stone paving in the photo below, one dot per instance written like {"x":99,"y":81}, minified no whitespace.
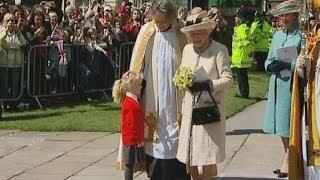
{"x":92,"y":156}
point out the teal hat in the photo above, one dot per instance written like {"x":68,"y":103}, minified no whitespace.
{"x":290,"y":6}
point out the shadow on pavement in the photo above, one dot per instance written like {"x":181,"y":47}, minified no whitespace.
{"x":245,"y":131}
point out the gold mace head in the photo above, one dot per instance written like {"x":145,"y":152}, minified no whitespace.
{"x":316,"y":3}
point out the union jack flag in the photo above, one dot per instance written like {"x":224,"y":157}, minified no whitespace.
{"x":57,"y":37}
{"x":56,"y":34}
{"x":62,"y":53}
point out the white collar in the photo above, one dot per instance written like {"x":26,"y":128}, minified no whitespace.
{"x":133,"y":96}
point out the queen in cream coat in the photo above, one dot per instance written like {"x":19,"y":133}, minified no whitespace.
{"x":208,"y":141}
{"x":203,"y":145}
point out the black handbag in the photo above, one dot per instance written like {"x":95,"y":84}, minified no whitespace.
{"x":205,"y":114}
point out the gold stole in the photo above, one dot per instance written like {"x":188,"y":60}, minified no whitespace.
{"x":151,"y":119}
{"x":295,"y":144}
{"x":314,"y":152}
{"x":296,"y":169}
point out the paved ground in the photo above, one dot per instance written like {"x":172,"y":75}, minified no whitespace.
{"x":91,"y":156}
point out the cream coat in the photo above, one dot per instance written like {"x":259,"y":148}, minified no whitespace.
{"x":207,"y":141}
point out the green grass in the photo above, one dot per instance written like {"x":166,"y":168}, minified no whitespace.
{"x":258,"y":87}
{"x":104,"y":116}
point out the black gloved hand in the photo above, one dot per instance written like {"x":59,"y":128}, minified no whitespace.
{"x":277,"y":66}
{"x":199,"y":86}
{"x":285,"y":65}
{"x":273,"y":66}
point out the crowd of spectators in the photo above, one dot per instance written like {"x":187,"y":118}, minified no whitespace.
{"x":90,"y":35}
{"x":96,"y":32}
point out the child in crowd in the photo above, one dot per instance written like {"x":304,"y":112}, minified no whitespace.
{"x":100,"y":65}
{"x":56,"y":68}
{"x":94,"y":41}
{"x":53,"y":19}
{"x":127,"y":91}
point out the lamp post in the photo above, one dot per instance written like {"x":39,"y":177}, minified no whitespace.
{"x":189,"y":4}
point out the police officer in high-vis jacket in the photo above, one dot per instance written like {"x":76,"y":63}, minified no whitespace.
{"x":242,"y":51}
{"x":261,"y":32}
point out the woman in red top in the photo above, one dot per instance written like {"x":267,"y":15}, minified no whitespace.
{"x":127,"y":92}
{"x":132,"y":27}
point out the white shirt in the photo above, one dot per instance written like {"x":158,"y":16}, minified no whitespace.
{"x":133,"y":96}
{"x":167,"y":127}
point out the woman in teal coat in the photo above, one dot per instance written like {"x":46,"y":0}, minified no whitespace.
{"x":277,"y":117}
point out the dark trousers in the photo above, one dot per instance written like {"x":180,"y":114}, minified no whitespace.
{"x":242,"y":74}
{"x":10,"y":79}
{"x":1,"y":110}
{"x":128,"y":172}
{"x":260,"y":58}
{"x":165,"y":169}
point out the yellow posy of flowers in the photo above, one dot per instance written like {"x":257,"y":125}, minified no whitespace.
{"x":183,"y":77}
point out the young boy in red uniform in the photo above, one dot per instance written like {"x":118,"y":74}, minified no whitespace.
{"x":127,"y":92}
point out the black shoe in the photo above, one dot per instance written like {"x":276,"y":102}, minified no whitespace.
{"x":277,"y":171}
{"x":282,"y":175}
{"x":239,"y":95}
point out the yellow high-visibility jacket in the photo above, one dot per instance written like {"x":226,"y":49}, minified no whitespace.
{"x":242,"y":47}
{"x":261,"y":33}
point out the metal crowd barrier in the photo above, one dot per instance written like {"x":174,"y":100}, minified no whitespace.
{"x":123,"y":58}
{"x":84,"y":72}
{"x":43,"y":76}
{"x":11,"y":75}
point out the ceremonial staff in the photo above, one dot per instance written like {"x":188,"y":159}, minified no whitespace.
{"x":304,"y":25}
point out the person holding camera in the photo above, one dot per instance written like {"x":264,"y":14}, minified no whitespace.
{"x":11,"y":61}
{"x":202,"y":145}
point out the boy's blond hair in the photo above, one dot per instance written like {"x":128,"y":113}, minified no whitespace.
{"x":123,"y":85}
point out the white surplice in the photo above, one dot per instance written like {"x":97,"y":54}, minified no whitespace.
{"x":167,"y":125}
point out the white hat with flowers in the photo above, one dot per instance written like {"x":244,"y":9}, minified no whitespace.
{"x":198,"y":21}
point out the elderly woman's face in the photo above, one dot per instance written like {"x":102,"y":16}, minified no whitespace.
{"x":199,"y":38}
{"x":289,"y":20}
{"x":162,"y":21}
